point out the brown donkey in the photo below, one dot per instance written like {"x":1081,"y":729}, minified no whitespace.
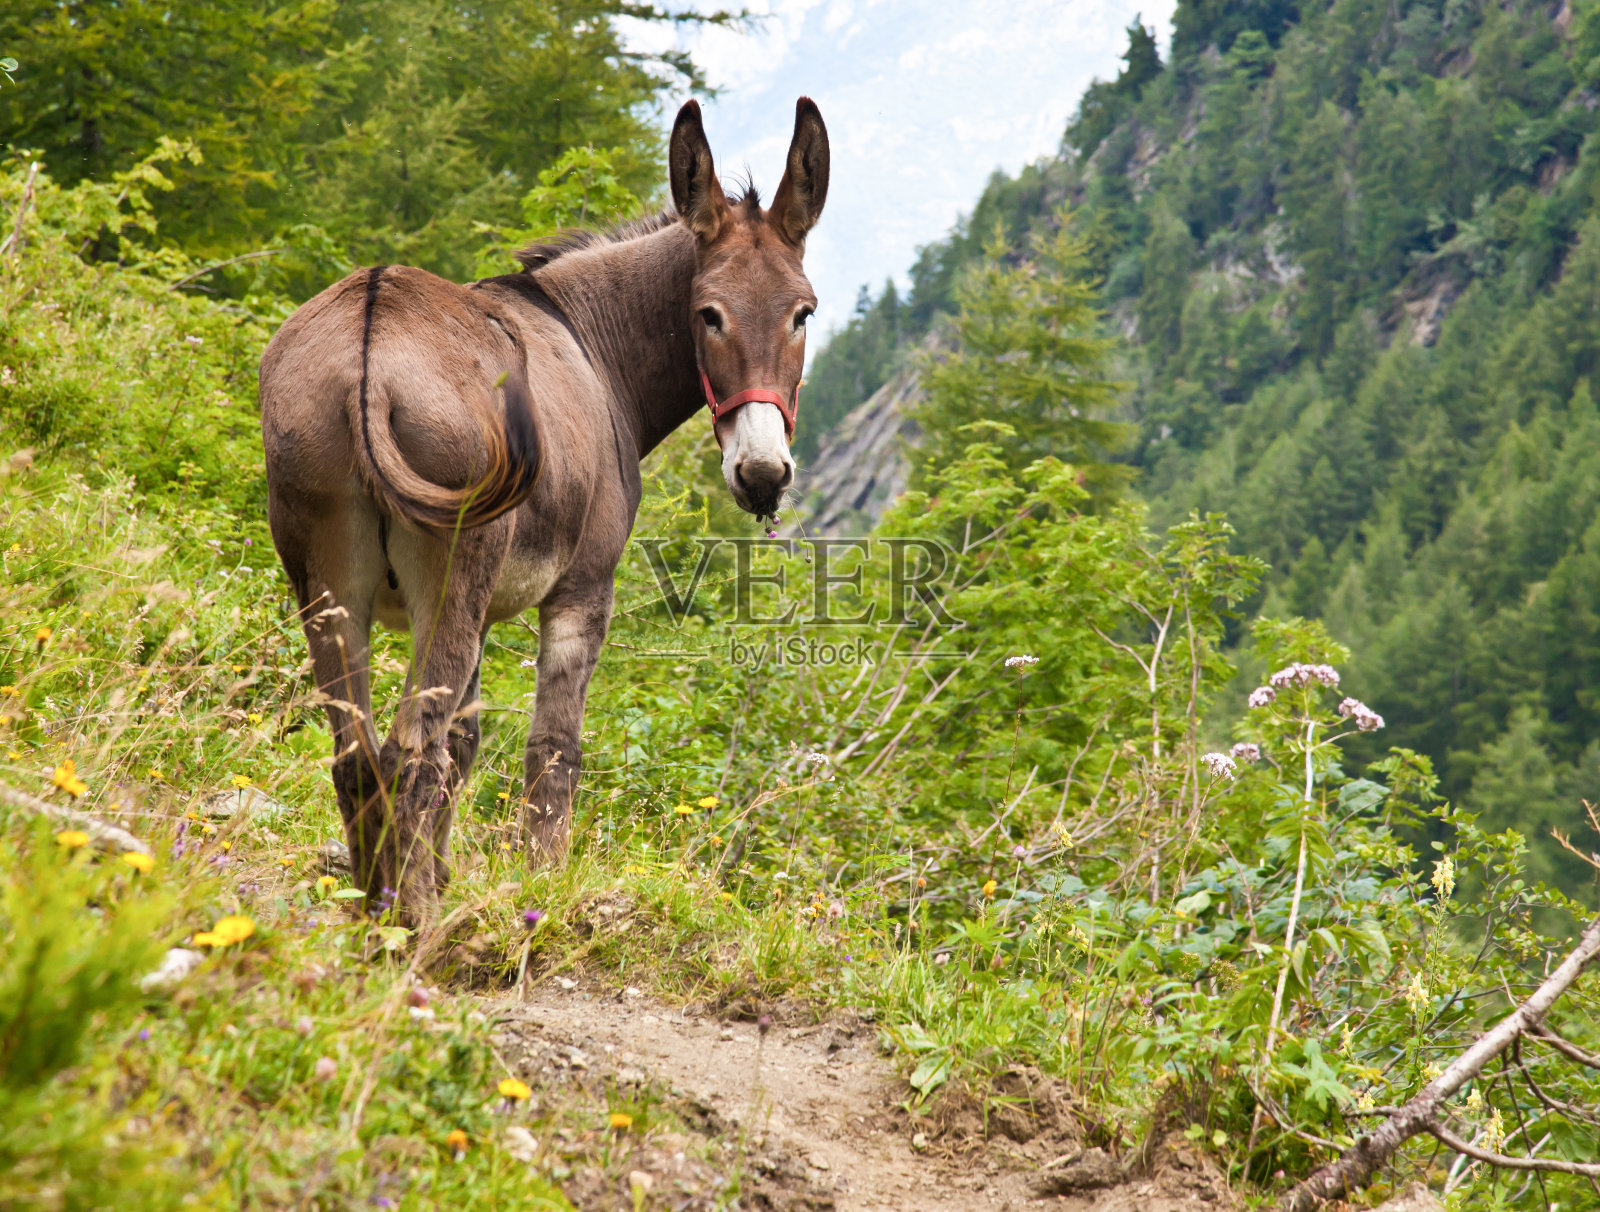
{"x":443,"y":457}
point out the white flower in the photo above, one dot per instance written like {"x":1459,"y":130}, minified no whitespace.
{"x":197,"y":342}
{"x":1023,"y":661}
{"x":1262,"y":695}
{"x":1366,"y":719}
{"x":1219,"y":764}
{"x":1300,"y":674}
{"x":1245,"y":752}
{"x":818,"y":759}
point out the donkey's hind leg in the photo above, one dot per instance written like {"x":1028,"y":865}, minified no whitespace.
{"x":447,"y":582}
{"x":333,"y":556}
{"x":466,"y":735}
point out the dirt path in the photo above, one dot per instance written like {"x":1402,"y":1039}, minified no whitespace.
{"x":806,"y":1117}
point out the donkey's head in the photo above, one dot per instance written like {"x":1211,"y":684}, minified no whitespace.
{"x":750,"y":299}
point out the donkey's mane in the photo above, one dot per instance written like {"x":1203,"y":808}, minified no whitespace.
{"x":542,"y":252}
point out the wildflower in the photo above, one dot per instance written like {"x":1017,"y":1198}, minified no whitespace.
{"x":1245,"y":752}
{"x":1366,"y":719}
{"x":1364,"y":1101}
{"x":709,"y":801}
{"x":226,"y":845}
{"x":1299,"y":674}
{"x":1431,"y":1071}
{"x":144,"y":1035}
{"x":1416,"y":994}
{"x":195,"y":341}
{"x":1059,"y":832}
{"x":241,"y":781}
{"x":254,"y":717}
{"x":72,"y":839}
{"x":514,"y":1090}
{"x":229,"y":930}
{"x":13,"y":754}
{"x":10,"y":692}
{"x":1219,"y":764}
{"x":327,"y":882}
{"x":940,"y":960}
{"x":988,"y":888}
{"x":286,"y":862}
{"x":1444,"y":877}
{"x":1019,"y":852}
{"x":456,"y":1142}
{"x":326,"y":1069}
{"x":716,"y":839}
{"x":191,"y":816}
{"x":684,"y":810}
{"x":1347,"y":1040}
{"x":43,"y":636}
{"x":836,"y":910}
{"x":816,"y":759}
{"x":1494,"y":1132}
{"x":1021,"y":662}
{"x":532,"y":918}
{"x":504,"y":795}
{"x":154,"y":775}
{"x":208,"y":828}
{"x":1474,"y":1099}
{"x":66,"y":778}
{"x":142,"y":863}
{"x":304,"y":1026}
{"x":772,"y":534}
{"x":621,"y":1121}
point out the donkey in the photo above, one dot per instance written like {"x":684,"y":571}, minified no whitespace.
{"x":443,"y":457}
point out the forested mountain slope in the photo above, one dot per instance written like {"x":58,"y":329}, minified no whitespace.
{"x":1355,"y":251}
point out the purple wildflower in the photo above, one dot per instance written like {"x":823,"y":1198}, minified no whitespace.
{"x":1219,"y":764}
{"x":532,"y":918}
{"x":144,"y":1035}
{"x":1262,"y":695}
{"x":1245,"y":752}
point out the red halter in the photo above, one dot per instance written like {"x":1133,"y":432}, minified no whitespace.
{"x":788,"y":408}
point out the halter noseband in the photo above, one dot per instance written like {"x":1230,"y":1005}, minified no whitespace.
{"x":787,"y":408}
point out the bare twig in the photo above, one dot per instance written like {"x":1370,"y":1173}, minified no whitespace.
{"x":13,"y":242}
{"x":1358,"y":1164}
{"x":249,"y":256}
{"x":101,"y":834}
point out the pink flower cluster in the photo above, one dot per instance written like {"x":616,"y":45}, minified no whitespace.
{"x":1245,"y":752}
{"x":1367,"y":720}
{"x":1303,"y":675}
{"x":1262,"y":695}
{"x":1219,"y":764}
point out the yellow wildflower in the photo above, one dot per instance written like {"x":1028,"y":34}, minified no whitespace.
{"x":456,"y":1142}
{"x":142,"y":863}
{"x":255,"y":717}
{"x":241,"y":781}
{"x":709,"y":801}
{"x":513,"y":1089}
{"x":621,"y":1121}
{"x":1494,"y":1132}
{"x":684,"y":809}
{"x":1444,"y":877}
{"x":155,"y":775}
{"x":727,"y":896}
{"x":716,"y":839}
{"x":208,"y":828}
{"x":1416,"y":994}
{"x":1431,"y":1071}
{"x":14,"y":754}
{"x":1475,"y":1099}
{"x":1364,"y":1101}
{"x":10,"y":692}
{"x":66,"y":778}
{"x":327,"y":881}
{"x":229,"y":930}
{"x":72,"y":839}
{"x":286,"y":862}
{"x":43,"y":636}
{"x":226,"y":845}
{"x":191,"y":816}
{"x":989,"y":887}
{"x":238,"y":668}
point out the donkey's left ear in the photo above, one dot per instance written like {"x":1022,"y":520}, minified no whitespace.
{"x":797,"y":205}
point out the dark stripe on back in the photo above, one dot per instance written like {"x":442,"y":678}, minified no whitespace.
{"x":527,"y":288}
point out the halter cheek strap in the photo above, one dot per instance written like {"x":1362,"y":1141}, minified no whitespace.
{"x":789,"y":409}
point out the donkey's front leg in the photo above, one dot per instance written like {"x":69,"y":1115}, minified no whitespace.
{"x":571,"y":630}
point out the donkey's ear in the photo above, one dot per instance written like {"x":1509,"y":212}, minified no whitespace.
{"x":797,"y":205}
{"x":695,"y":189}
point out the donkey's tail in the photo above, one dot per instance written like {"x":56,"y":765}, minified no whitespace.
{"x":511,"y":440}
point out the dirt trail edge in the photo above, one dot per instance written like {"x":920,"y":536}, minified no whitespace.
{"x":807,"y":1118}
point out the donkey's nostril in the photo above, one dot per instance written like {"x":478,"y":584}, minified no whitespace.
{"x":788,"y":477}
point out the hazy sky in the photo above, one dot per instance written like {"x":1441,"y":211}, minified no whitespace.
{"x":923,"y":100}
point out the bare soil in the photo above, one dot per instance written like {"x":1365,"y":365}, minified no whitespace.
{"x":808,"y":1116}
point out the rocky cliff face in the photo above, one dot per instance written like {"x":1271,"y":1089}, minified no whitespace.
{"x":862,"y":466}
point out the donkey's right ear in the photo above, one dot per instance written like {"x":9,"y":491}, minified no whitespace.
{"x":695,"y":189}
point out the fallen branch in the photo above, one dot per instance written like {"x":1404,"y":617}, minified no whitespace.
{"x":1357,"y":1165}
{"x":104,"y":836}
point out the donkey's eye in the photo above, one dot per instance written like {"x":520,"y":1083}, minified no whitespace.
{"x":712,"y":318}
{"x":800,"y":318}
